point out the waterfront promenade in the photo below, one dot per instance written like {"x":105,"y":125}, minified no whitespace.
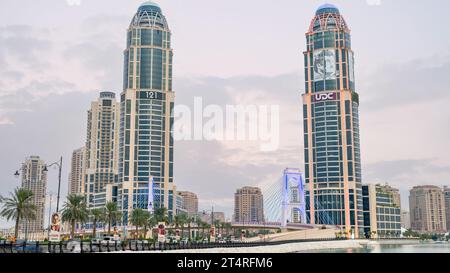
{"x":282,"y":248}
{"x":299,"y":246}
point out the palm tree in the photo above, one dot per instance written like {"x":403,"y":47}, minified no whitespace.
{"x":222,"y":227}
{"x":75,"y":210}
{"x":139,"y":218}
{"x":161,"y":215}
{"x":151,"y":222}
{"x":98,"y":215}
{"x":190,"y":220}
{"x":180,"y":220}
{"x":228,"y":227}
{"x":225,"y":228}
{"x":216,"y":223}
{"x":204,"y":227}
{"x":112,"y":214}
{"x":18,"y":207}
{"x":177,"y":220}
{"x":199,"y":223}
{"x":147,"y":216}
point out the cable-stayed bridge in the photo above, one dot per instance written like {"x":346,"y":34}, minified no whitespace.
{"x":285,"y":205}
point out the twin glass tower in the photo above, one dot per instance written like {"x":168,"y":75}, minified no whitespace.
{"x":330,"y":110}
{"x":147,"y":101}
{"x":331,"y":125}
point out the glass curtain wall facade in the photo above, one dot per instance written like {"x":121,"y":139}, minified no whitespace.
{"x":146,"y":143}
{"x":331,"y":125}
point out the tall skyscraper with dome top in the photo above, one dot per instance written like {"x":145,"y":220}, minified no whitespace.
{"x":331,"y":124}
{"x":147,"y":100}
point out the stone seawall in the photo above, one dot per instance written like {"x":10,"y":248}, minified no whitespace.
{"x":284,"y":248}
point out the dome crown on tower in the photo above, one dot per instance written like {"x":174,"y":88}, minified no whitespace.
{"x":149,"y":14}
{"x":328,"y":17}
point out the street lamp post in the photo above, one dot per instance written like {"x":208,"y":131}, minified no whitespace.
{"x":212,"y":221}
{"x":59,"y":164}
{"x":212,"y":216}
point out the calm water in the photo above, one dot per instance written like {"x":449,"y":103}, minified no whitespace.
{"x":417,"y":248}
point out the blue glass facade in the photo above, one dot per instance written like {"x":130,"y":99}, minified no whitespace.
{"x":146,"y":143}
{"x":331,"y":124}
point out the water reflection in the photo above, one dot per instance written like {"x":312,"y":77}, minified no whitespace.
{"x":376,"y":248}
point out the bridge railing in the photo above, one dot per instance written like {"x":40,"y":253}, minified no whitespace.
{"x":132,"y":245}
{"x":267,"y":224}
{"x":279,"y":225}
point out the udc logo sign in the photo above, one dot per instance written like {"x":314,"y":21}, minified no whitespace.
{"x":324,"y":97}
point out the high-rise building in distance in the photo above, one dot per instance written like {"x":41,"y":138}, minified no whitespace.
{"x":331,"y":124}
{"x":248,"y":205}
{"x":101,"y":149}
{"x":447,"y":207}
{"x":147,"y":101}
{"x":406,"y":220}
{"x":427,"y":209}
{"x":190,"y":202}
{"x":34,"y":178}
{"x":180,"y":209}
{"x":76,"y":172}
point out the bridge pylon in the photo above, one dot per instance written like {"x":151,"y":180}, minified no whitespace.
{"x":293,"y":207}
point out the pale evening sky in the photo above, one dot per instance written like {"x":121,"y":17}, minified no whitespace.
{"x":57,"y":55}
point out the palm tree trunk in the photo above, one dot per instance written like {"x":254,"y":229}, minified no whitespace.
{"x":109,"y":225}
{"x":189,"y":230}
{"x":16,"y":230}
{"x":137,"y":230}
{"x":73,"y":229}
{"x":145,"y":232}
{"x":94,"y":228}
